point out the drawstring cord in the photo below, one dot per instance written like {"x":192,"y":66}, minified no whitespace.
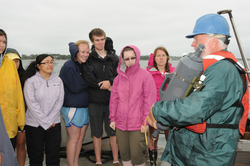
{"x":145,"y":130}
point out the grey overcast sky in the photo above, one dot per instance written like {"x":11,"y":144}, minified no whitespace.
{"x":47,"y":26}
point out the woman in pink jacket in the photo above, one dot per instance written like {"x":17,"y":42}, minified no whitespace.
{"x":132,"y":95}
{"x":158,"y":66}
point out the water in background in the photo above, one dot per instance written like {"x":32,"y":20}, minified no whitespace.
{"x":59,"y":64}
{"x":143,"y":63}
{"x":57,"y":67}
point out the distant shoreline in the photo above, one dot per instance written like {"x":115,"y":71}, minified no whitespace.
{"x":171,"y":58}
{"x":66,"y":57}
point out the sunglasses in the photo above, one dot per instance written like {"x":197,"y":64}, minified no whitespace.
{"x":127,"y":59}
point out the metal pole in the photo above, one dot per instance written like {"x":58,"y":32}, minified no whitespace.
{"x":244,"y":59}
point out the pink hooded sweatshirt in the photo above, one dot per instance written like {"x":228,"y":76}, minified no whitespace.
{"x":133,"y":93}
{"x":158,"y":76}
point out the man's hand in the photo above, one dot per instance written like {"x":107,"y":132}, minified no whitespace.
{"x":151,"y":118}
{"x":104,"y":84}
{"x":112,"y":125}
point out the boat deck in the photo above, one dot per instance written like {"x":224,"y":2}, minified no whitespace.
{"x":242,"y":156}
{"x":83,"y":160}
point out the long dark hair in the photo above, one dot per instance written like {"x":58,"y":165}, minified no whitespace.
{"x":32,"y":68}
{"x":166,"y":52}
{"x":20,"y":69}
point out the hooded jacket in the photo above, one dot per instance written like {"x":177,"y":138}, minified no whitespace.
{"x":11,"y":97}
{"x":2,"y":55}
{"x":7,"y":154}
{"x":76,"y":89}
{"x":158,"y":76}
{"x":103,"y":69}
{"x":133,"y":93}
{"x":44,"y":99}
{"x":20,"y":69}
{"x":216,"y":146}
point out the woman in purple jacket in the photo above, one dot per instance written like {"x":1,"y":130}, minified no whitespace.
{"x":132,"y":95}
{"x":158,"y":66}
{"x":44,"y":94}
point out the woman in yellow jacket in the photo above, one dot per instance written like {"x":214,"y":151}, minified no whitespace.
{"x":11,"y":96}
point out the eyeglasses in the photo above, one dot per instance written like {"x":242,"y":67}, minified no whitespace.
{"x":127,"y":59}
{"x":47,"y":63}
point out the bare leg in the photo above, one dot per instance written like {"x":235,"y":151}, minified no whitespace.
{"x":79,"y":144}
{"x":21,"y":149}
{"x":74,"y":135}
{"x":141,"y":164}
{"x":98,"y":148}
{"x":127,"y":163}
{"x":114,"y":147}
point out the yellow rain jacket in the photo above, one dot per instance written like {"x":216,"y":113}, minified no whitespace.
{"x":11,"y":98}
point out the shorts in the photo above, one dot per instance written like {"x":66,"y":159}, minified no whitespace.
{"x":76,"y":116}
{"x":132,"y":146}
{"x":99,"y":113}
{"x":19,"y":130}
{"x":13,"y":142}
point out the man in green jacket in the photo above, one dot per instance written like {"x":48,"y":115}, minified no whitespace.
{"x":214,"y":104}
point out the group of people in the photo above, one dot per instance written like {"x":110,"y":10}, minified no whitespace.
{"x":99,"y":88}
{"x":91,"y":88}
{"x":11,"y":105}
{"x":96,"y":86}
{"x":35,"y":122}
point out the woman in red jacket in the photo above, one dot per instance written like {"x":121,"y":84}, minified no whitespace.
{"x":158,"y":66}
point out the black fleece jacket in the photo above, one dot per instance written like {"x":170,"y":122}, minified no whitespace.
{"x":103,"y":69}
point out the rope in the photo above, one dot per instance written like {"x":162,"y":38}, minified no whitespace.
{"x":145,"y":131}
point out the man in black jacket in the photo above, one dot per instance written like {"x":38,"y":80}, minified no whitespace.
{"x":103,"y":63}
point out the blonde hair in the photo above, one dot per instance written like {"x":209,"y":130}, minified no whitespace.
{"x":81,"y":42}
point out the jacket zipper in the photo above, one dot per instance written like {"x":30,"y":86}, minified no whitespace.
{"x":103,"y":68}
{"x":47,"y":83}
